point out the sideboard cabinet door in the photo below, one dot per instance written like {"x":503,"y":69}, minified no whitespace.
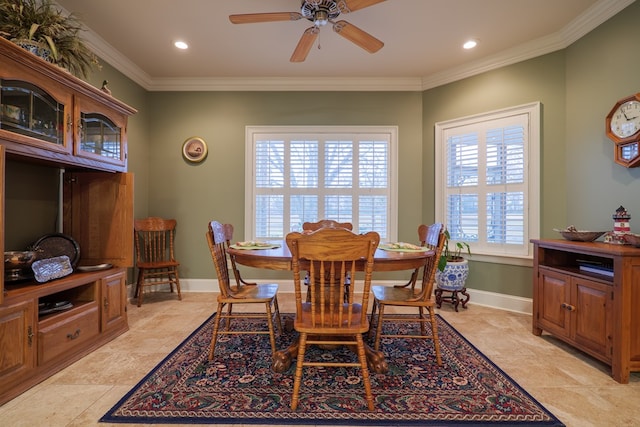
{"x":98,"y":213}
{"x":114,"y":301}
{"x":17,"y":343}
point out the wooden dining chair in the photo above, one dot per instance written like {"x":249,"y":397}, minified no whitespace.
{"x":413,"y":295}
{"x":327,"y":223}
{"x":234,"y":267}
{"x":155,"y":259}
{"x":326,"y":318}
{"x":423,"y":230}
{"x":218,"y":236}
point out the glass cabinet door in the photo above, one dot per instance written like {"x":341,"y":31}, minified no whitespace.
{"x":30,"y":111}
{"x":100,"y":136}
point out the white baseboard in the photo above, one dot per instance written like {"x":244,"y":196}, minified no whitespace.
{"x":479,"y":297}
{"x":501,"y":301}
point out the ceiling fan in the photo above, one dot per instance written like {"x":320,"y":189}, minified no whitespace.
{"x":320,"y":12}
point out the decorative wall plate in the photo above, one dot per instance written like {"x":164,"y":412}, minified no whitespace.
{"x":194,"y":149}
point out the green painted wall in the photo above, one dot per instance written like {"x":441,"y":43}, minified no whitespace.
{"x":541,"y":79}
{"x":602,"y":67}
{"x":214,"y":189}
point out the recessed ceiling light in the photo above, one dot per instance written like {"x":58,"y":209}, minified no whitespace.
{"x":470,"y":44}
{"x":181,"y":45}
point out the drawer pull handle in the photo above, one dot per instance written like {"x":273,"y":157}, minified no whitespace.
{"x":106,"y":303}
{"x":30,"y":335}
{"x":74,"y":335}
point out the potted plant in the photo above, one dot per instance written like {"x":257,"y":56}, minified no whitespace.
{"x":452,"y":255}
{"x":38,"y":26}
{"x":452,"y":273}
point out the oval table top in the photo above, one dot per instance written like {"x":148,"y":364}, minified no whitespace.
{"x":280,"y":258}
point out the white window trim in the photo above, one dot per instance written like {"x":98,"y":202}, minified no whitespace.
{"x":251,"y":131}
{"x":533,"y":179}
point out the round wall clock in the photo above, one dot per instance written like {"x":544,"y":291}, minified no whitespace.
{"x":194,"y":149}
{"x":623,"y":121}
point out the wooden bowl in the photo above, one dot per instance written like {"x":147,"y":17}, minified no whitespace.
{"x":581,"y":235}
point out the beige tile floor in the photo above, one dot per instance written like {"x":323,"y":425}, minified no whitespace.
{"x":574,"y":387}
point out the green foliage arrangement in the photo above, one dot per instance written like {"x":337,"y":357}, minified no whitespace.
{"x":40,"y":22}
{"x":452,"y":254}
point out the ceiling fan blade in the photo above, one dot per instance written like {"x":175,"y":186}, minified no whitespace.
{"x":304,"y":45}
{"x":358,"y":36}
{"x":250,"y":18}
{"x":347,"y":6}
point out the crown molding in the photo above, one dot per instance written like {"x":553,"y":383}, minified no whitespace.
{"x":402,"y":84}
{"x":598,"y":13}
{"x":579,"y":27}
{"x":117,"y":60}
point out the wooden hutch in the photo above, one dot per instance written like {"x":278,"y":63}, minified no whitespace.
{"x":596,"y":313}
{"x":49,"y":117}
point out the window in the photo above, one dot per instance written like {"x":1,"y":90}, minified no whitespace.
{"x":299,"y":174}
{"x":487,"y":180}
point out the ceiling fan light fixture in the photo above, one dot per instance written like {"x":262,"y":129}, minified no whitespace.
{"x":319,"y":11}
{"x":320,"y":18}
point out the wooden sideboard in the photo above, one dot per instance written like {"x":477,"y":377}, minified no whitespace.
{"x":35,"y":346}
{"x":50,"y":118}
{"x":596,"y":313}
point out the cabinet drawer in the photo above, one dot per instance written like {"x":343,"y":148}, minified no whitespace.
{"x":57,"y":338}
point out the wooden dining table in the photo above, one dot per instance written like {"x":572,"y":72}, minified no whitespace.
{"x":279,"y":258}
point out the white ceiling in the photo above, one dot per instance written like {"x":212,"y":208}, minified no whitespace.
{"x":422,"y":39}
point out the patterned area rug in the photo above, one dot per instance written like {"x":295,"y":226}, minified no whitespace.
{"x":238,"y":387}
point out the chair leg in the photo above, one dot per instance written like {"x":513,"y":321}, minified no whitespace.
{"x":374,"y":307}
{"x":302,"y":344}
{"x":272,"y":336}
{"x":277,"y":313}
{"x":376,"y":346}
{"x":216,"y":327}
{"x":228,"y":319}
{"x":434,"y":334}
{"x":139,"y":286}
{"x":423,"y":329}
{"x":365,"y":371}
{"x":177,"y":282}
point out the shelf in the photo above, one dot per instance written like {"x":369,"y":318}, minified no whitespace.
{"x":575,"y":271}
{"x":27,"y":131}
{"x":75,"y":298}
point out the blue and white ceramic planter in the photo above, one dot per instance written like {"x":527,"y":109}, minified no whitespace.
{"x":454,"y":276}
{"x":36,"y":48}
